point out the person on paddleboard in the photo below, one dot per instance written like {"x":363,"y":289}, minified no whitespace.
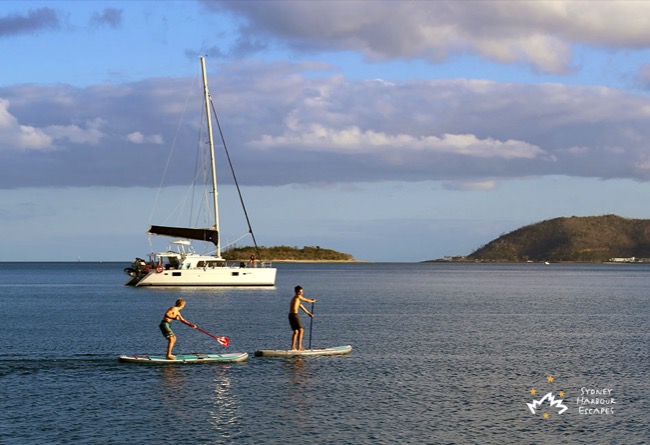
{"x":294,"y":319}
{"x":173,"y":313}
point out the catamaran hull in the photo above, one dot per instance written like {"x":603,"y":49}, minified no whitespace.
{"x":222,"y":276}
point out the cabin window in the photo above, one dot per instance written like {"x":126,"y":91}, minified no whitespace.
{"x":176,"y":274}
{"x":201,"y":264}
{"x":235,"y":274}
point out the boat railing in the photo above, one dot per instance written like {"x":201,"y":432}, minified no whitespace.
{"x":252,"y":264}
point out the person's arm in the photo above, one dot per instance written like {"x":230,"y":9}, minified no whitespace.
{"x":306,"y":311}
{"x":308,"y":300}
{"x":180,"y":317}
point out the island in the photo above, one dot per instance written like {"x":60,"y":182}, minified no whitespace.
{"x":286,"y":254}
{"x":591,"y":239}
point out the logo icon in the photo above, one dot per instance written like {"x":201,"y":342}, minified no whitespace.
{"x":548,"y":402}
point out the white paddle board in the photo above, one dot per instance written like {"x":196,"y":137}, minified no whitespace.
{"x":337,"y":350}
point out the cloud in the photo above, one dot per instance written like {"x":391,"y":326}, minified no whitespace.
{"x":26,"y":137}
{"x":283,"y":125}
{"x":541,"y":34}
{"x":138,"y":138}
{"x":353,"y":139}
{"x":111,"y":17}
{"x":34,"y":21}
{"x":470,"y":185}
{"x":20,"y":137}
{"x":89,"y":134}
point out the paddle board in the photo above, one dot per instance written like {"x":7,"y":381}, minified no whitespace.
{"x":337,"y":350}
{"x":185,"y":358}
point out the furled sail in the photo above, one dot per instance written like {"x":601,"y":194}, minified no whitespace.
{"x":185,"y":232}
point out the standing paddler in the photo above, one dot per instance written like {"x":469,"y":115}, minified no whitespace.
{"x":173,"y":313}
{"x":294,"y":319}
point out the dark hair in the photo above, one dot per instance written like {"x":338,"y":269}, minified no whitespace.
{"x":297,"y":288}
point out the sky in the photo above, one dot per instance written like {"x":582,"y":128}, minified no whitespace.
{"x":393,"y":131}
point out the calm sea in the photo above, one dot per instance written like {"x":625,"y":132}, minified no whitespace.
{"x":443,"y":354}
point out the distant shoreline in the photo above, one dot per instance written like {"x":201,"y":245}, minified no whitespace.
{"x":530,"y":262}
{"x":313,"y":261}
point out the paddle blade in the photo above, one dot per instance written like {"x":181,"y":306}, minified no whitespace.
{"x":224,"y":341}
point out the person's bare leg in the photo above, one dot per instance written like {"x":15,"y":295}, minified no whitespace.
{"x":300,"y":334}
{"x":171,"y":341}
{"x":294,"y":340}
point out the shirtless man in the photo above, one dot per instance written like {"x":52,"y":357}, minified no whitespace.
{"x":173,"y":313}
{"x":294,"y":319}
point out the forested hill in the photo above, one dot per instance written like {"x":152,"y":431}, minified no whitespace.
{"x":285,"y":253}
{"x":588,"y":239}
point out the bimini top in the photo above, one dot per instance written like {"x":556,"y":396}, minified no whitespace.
{"x":187,"y":232}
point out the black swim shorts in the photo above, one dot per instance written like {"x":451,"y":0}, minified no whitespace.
{"x":294,"y":321}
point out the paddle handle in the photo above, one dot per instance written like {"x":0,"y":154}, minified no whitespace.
{"x":225,"y":341}
{"x":311,"y":323}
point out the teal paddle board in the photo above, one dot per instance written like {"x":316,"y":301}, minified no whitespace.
{"x":185,"y":358}
{"x":337,"y":350}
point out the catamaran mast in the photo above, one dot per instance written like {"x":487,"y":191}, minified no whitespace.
{"x":215,"y":194}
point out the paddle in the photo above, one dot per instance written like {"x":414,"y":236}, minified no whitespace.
{"x":311,"y":323}
{"x":224,"y":341}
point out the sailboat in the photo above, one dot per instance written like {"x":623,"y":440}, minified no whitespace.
{"x":181,"y":265}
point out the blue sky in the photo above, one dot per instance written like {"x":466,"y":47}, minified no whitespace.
{"x":393,"y":131}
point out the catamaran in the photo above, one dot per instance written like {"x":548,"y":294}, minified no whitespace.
{"x":180,"y":265}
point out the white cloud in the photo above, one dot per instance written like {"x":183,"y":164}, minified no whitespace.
{"x":353,"y":139}
{"x":138,"y":138}
{"x":290,"y":127}
{"x":538,"y":33}
{"x":91,"y":134}
{"x":14,"y":136}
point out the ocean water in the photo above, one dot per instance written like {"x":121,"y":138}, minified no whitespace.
{"x":443,"y":354}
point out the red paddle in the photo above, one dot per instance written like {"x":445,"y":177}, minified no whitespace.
{"x":224,"y":341}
